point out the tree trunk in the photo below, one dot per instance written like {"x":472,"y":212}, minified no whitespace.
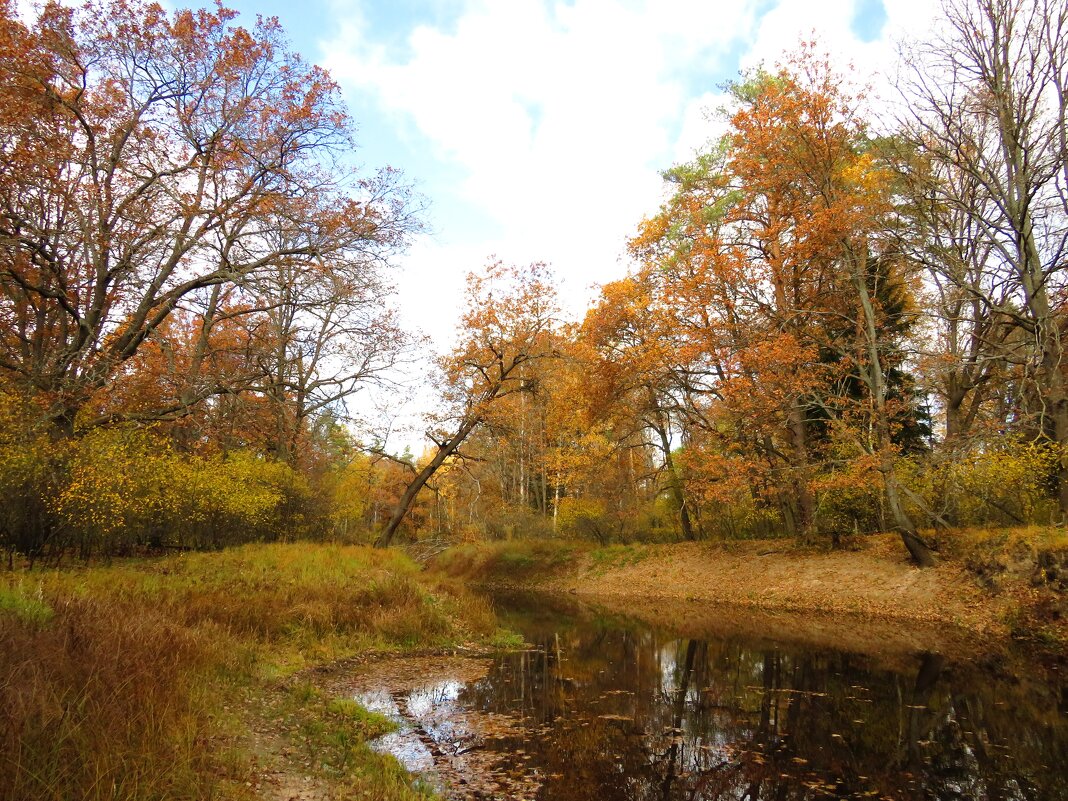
{"x":675,"y":481}
{"x":1058,"y":403}
{"x":806,"y":503}
{"x":954,"y":414}
{"x":919,"y":550}
{"x":404,"y":505}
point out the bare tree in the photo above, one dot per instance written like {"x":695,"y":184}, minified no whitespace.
{"x":986,"y":102}
{"x":327,"y":332}
{"x":972,"y":341}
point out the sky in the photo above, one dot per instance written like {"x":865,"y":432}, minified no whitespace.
{"x":536,"y":130}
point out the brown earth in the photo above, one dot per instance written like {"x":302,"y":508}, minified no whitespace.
{"x":873,"y":582}
{"x":443,"y":742}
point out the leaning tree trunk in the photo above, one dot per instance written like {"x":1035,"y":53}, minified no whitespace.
{"x":919,"y":550}
{"x":404,"y":505}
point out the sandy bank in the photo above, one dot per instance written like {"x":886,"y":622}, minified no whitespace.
{"x":873,"y":582}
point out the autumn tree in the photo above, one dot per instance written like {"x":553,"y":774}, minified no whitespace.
{"x":511,"y":474}
{"x":635,"y":377}
{"x":816,"y":144}
{"x":155,"y":162}
{"x":738,"y":258}
{"x":571,"y":456}
{"x":773,"y":262}
{"x":506,"y":327}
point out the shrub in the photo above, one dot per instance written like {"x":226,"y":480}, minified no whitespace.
{"x":30,"y":470}
{"x":583,"y":517}
{"x":119,"y":483}
{"x":127,"y":488}
{"x":1002,"y":484}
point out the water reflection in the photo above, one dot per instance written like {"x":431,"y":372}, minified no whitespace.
{"x":615,"y":711}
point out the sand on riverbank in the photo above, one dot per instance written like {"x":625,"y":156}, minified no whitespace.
{"x":873,"y":580}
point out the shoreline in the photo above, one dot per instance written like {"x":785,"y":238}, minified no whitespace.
{"x":873,"y":583}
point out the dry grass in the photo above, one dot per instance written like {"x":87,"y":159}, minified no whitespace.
{"x":1033,"y":540}
{"x":93,"y":710}
{"x":511,"y":560}
{"x":130,"y":682}
{"x":1027,"y":569}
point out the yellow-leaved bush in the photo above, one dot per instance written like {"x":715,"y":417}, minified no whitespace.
{"x":583,"y":517}
{"x":350,"y":500}
{"x":987,"y":484}
{"x":126,"y":488}
{"x":29,"y":472}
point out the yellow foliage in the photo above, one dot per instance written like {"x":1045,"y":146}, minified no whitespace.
{"x":129,"y":487}
{"x":582,"y":517}
{"x":1006,"y":483}
{"x":351,"y":496}
{"x":23,"y":451}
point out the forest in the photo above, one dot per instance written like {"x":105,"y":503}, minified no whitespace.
{"x":836,"y":322}
{"x":780,"y":515}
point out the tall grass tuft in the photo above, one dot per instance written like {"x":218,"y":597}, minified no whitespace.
{"x":95,"y":708}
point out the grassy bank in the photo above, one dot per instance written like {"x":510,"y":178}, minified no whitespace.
{"x":1004,"y":582}
{"x":180,"y":678}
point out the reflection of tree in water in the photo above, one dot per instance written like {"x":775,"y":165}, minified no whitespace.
{"x":637,"y":716}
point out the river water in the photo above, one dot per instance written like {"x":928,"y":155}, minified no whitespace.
{"x":611,"y":706}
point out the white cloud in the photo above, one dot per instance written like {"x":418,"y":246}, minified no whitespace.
{"x":783,"y":28}
{"x":702,"y":123}
{"x":560,"y":116}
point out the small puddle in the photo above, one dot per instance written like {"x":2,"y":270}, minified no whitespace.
{"x":451,"y":746}
{"x":616,"y":710}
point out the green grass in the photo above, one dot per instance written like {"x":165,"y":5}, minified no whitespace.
{"x":614,"y":556}
{"x":140,"y":680}
{"x":505,"y":640}
{"x":28,"y":608}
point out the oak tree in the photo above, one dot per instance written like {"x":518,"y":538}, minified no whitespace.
{"x":153,"y":162}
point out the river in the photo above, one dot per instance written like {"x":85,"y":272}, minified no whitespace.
{"x":627,"y":707}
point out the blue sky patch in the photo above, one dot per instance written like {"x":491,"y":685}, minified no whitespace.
{"x":869,"y":19}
